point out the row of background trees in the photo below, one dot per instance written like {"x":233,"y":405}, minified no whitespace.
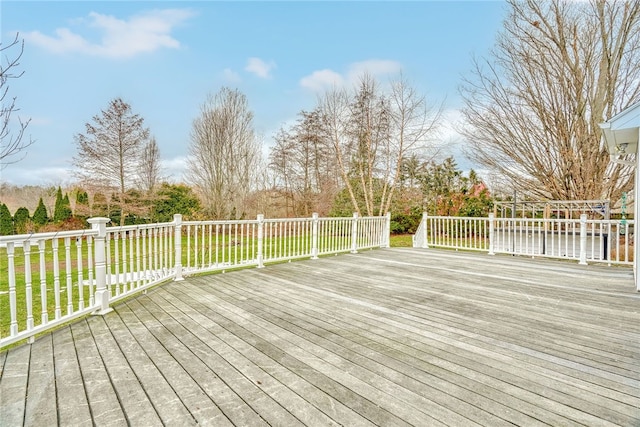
{"x":345,"y":156}
{"x":438,"y":188}
{"x":531,"y":109}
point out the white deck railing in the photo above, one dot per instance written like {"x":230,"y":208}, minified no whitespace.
{"x":584,"y":240}
{"x":50,"y":278}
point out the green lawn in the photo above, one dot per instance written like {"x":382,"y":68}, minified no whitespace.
{"x":401,"y":241}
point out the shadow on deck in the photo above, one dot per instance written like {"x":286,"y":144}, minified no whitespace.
{"x":385,"y":337}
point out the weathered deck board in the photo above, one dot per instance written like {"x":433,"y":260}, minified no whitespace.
{"x":40,"y":407}
{"x":13,"y":386}
{"x":320,"y":303}
{"x":323,"y":329}
{"x":385,"y":337}
{"x":71,"y":399}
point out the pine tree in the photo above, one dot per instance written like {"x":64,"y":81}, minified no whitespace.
{"x":65,"y":209}
{"x":40,"y":216}
{"x":57,"y":210}
{"x":82,"y":205}
{"x":82,"y":198}
{"x":6,"y":222}
{"x":20,"y":219}
{"x":62,"y":210}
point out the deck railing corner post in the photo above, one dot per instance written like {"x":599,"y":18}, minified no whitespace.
{"x":387,"y":231}
{"x":260,"y":255}
{"x":314,"y":235}
{"x":583,"y":239}
{"x":354,"y":233}
{"x":425,"y":230}
{"x":177,"y":223}
{"x":102,"y":296}
{"x":492,"y":233}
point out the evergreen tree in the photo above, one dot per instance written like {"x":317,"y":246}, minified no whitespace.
{"x":82,"y":205}
{"x":82,"y":198}
{"x":20,"y":220}
{"x":6,"y":222}
{"x":65,"y":210}
{"x":57,"y":206}
{"x":62,"y":210}
{"x":40,"y":216}
{"x":173,"y":199}
{"x":114,"y":211}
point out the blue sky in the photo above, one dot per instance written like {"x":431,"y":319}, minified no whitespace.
{"x":164,"y":58}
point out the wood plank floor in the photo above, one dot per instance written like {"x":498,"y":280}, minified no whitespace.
{"x":388,"y":337}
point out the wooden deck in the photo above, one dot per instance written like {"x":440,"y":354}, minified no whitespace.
{"x":386,"y":337}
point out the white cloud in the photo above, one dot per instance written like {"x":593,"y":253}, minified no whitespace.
{"x":36,"y":121}
{"x":260,"y":68}
{"x":41,"y":176}
{"x":450,"y":122}
{"x":375,"y":67}
{"x":142,"y":33}
{"x":231,"y":76}
{"x":321,"y":80}
{"x":175,"y":168}
{"x":450,"y":142}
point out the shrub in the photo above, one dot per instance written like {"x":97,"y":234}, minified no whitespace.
{"x":40,"y":216}
{"x":6,"y":221}
{"x":21,"y":219}
{"x":403,"y":223}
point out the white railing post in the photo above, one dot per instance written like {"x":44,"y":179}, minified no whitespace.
{"x":492,"y":232}
{"x":314,"y":236}
{"x":177,"y":221}
{"x":425,"y":231}
{"x":630,"y":251}
{"x":260,"y":239}
{"x":387,"y":231}
{"x":102,"y":293}
{"x":13,"y":307}
{"x":354,"y":233}
{"x":583,"y":239}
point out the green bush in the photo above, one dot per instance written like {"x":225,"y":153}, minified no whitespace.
{"x":40,"y":216}
{"x":403,"y":223}
{"x":174,"y":199}
{"x":21,"y":219}
{"x":6,"y":221}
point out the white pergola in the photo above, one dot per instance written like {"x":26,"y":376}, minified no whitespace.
{"x":621,"y":134}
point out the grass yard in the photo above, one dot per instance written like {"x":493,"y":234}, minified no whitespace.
{"x":401,"y":240}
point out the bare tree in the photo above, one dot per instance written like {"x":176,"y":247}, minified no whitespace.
{"x":533,"y":107}
{"x":369,"y":141}
{"x":282,"y":164}
{"x":224,"y":154}
{"x":11,"y":144}
{"x":150,"y":171}
{"x":110,"y":152}
{"x":305,"y":165}
{"x":414,"y":123}
{"x":334,"y":107}
{"x":371,"y":133}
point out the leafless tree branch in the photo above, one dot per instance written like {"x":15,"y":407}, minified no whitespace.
{"x":224,"y":154}
{"x":12,"y":143}
{"x":533,"y":107}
